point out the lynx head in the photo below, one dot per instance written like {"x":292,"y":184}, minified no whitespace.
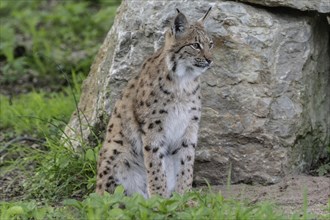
{"x":188,"y":47}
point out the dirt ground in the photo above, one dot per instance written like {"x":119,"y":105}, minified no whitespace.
{"x":287,"y":194}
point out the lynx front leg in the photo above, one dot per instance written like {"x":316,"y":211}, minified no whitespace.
{"x":185,"y":171}
{"x":154,"y":163}
{"x":186,"y":157}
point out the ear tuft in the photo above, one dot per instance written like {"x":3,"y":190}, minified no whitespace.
{"x":202,"y":19}
{"x":180,"y":23}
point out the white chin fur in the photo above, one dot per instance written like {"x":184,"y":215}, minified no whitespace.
{"x":185,"y":69}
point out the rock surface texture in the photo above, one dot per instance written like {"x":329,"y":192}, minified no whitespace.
{"x":322,"y":6}
{"x":265,"y":100}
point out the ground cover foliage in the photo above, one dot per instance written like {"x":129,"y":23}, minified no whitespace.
{"x":46,"y":50}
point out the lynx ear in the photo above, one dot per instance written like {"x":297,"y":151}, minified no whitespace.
{"x":202,"y":19}
{"x":180,"y":23}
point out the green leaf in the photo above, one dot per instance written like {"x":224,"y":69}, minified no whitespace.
{"x":119,"y":190}
{"x":15,"y":210}
{"x":90,"y":155}
{"x":72,"y":202}
{"x":117,"y":213}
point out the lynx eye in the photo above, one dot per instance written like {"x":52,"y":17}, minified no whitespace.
{"x":211,"y":44}
{"x":196,"y":46}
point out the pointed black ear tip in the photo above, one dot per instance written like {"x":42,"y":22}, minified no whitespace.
{"x":178,"y":10}
{"x":201,"y":20}
{"x":208,"y":11}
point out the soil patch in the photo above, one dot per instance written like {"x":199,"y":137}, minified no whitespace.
{"x":288,"y":194}
{"x":11,"y":186}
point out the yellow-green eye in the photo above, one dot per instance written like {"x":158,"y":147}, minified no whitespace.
{"x":196,"y":46}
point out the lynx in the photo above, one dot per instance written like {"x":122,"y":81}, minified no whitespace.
{"x":151,"y":137}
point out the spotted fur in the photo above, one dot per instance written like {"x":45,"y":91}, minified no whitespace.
{"x":151,"y":137}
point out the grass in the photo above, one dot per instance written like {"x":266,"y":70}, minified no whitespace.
{"x":53,"y":44}
{"x":192,"y":205}
{"x":37,"y":36}
{"x":36,"y":113}
{"x":57,"y":170}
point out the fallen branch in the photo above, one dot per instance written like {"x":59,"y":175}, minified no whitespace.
{"x":19,"y":139}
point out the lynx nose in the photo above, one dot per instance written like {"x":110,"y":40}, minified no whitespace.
{"x":208,"y":60}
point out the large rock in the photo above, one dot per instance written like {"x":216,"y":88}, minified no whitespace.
{"x":322,"y":6}
{"x":265,"y":101}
